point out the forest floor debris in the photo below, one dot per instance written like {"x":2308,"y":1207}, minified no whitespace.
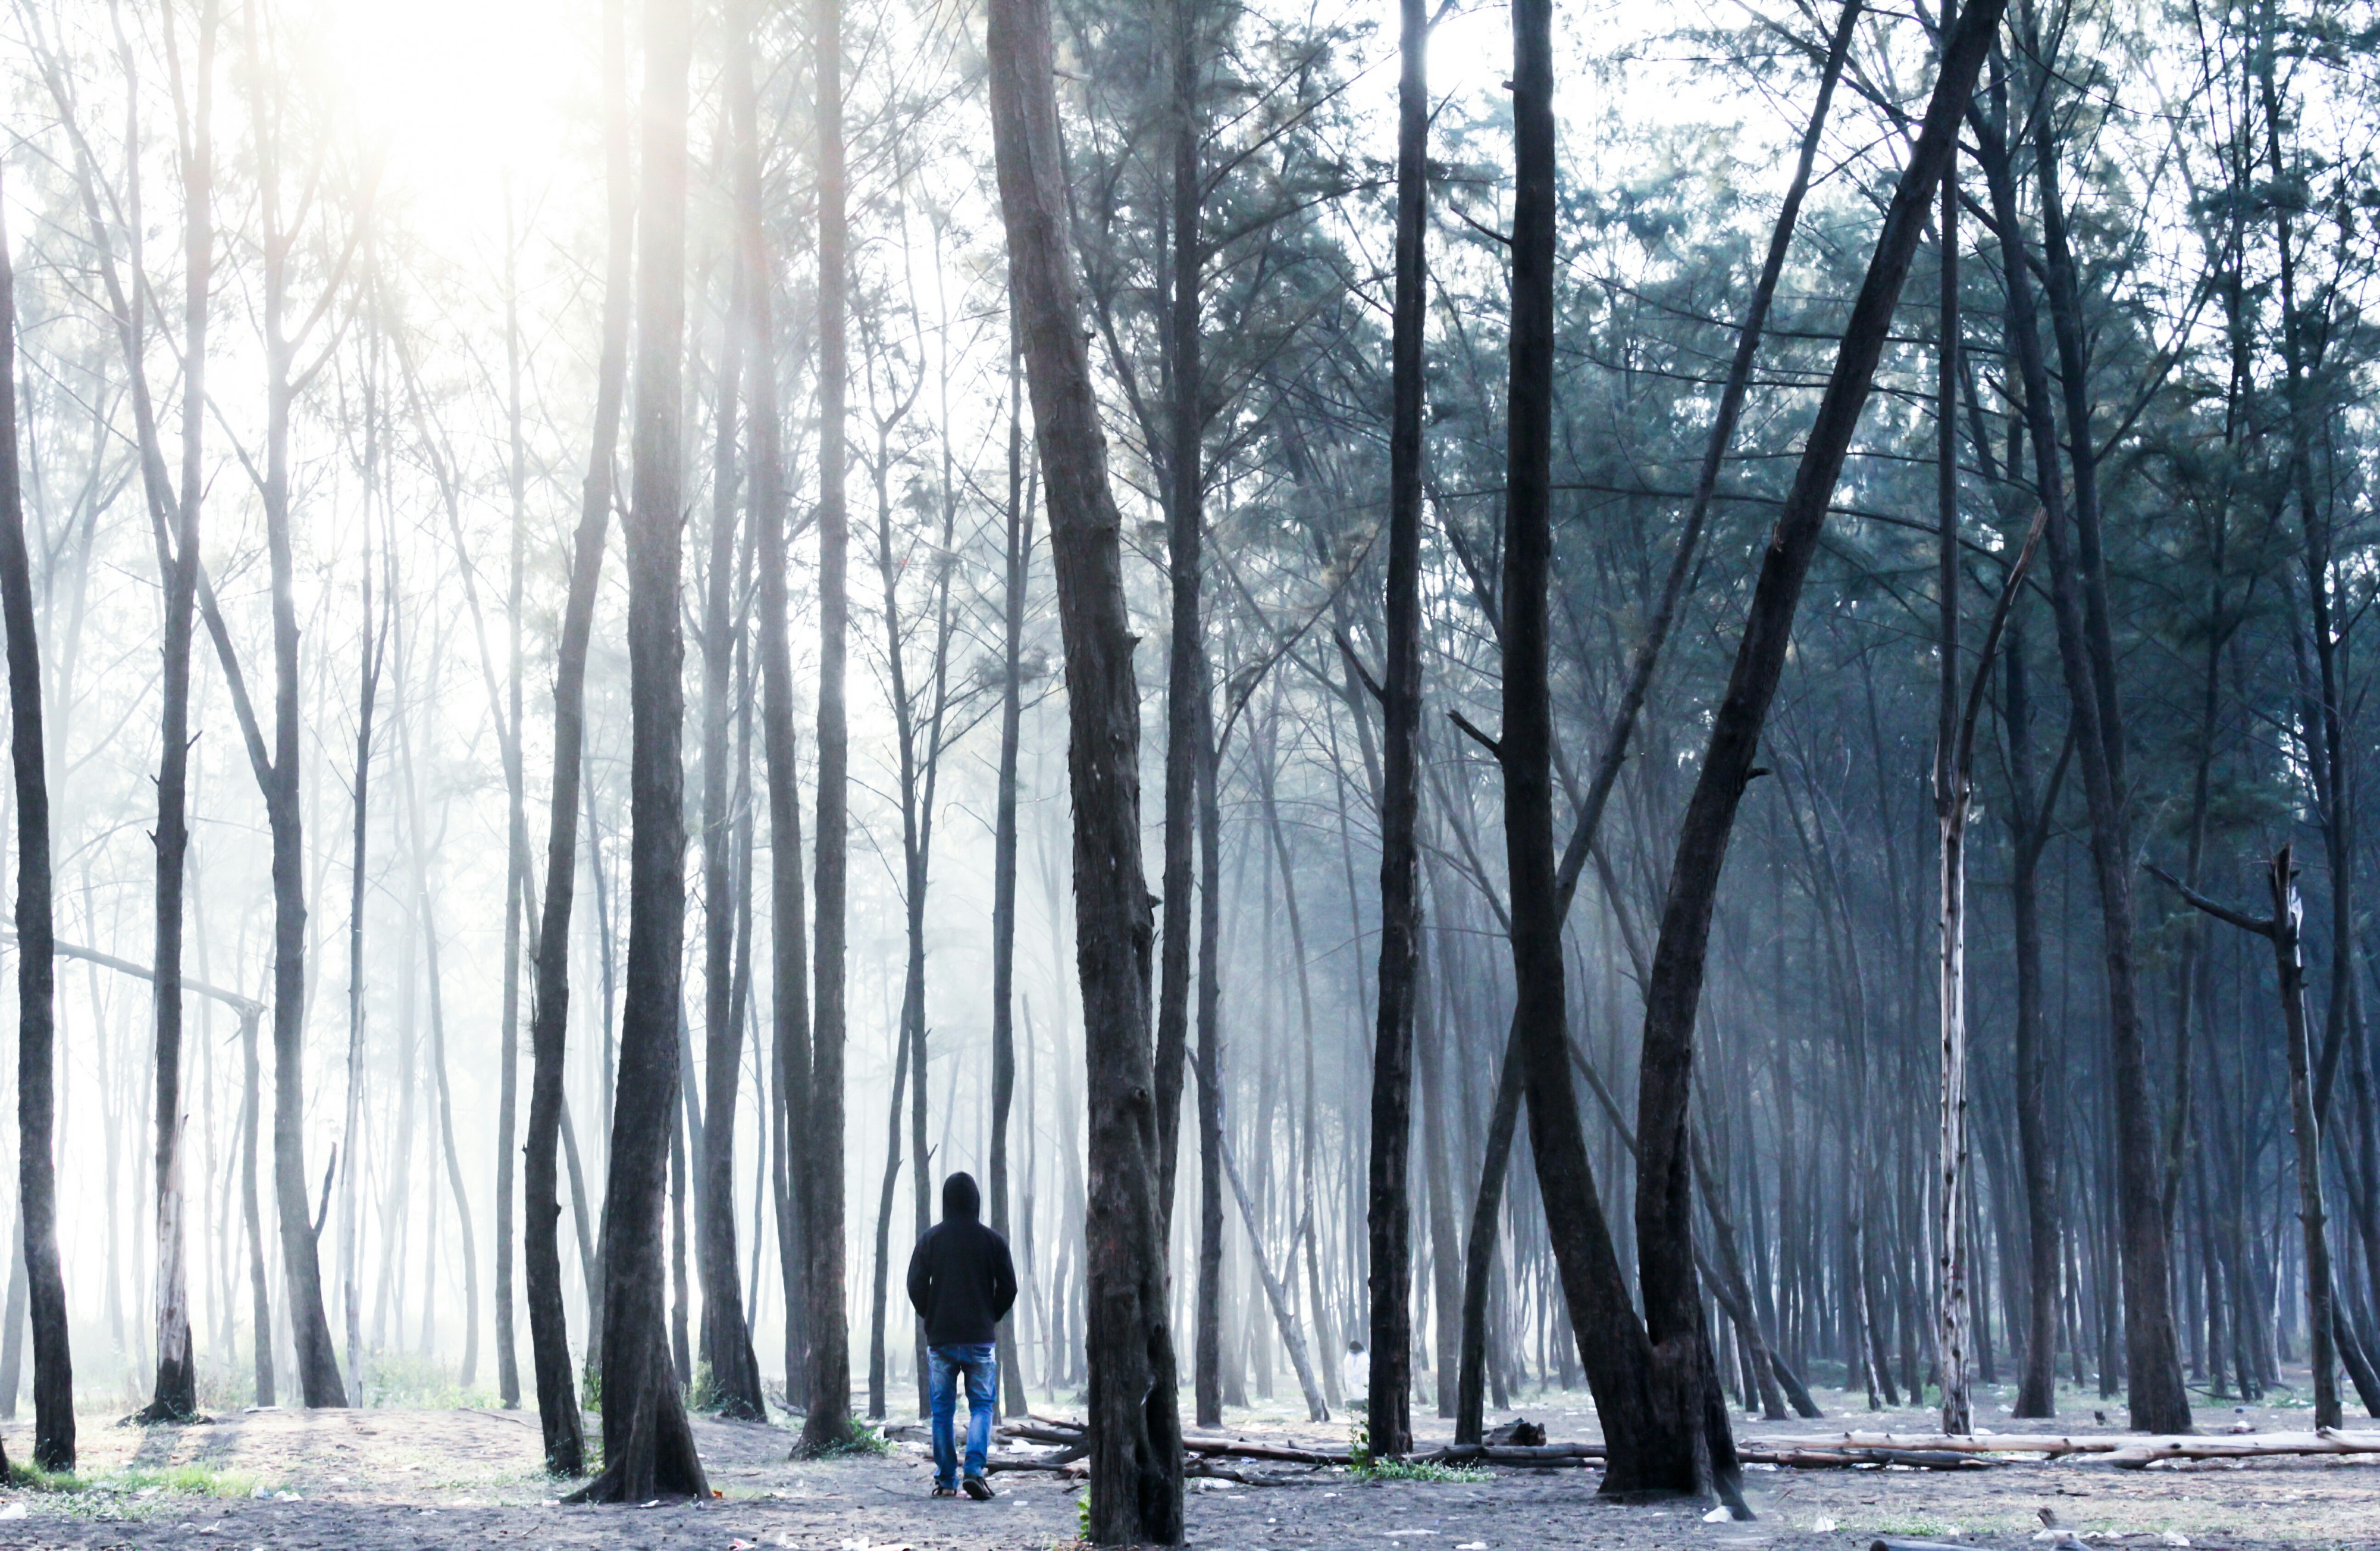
{"x":391,"y":1479}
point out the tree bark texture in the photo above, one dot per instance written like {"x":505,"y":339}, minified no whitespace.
{"x":53,"y":1418}
{"x":1134,"y":1429}
{"x":648,"y":1446}
{"x":1684,"y":1378}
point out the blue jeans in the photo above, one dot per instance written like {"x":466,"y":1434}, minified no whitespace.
{"x":981,"y":1367}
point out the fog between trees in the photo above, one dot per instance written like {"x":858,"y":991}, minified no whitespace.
{"x":1457,"y":688}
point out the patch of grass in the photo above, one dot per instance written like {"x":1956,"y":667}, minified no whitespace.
{"x":858,"y":1439}
{"x":192,"y":1481}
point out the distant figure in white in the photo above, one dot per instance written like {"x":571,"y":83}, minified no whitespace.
{"x":1355,"y":1374}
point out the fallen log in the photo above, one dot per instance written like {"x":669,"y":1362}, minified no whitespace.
{"x":2132,"y":1450}
{"x":1822,"y":1459}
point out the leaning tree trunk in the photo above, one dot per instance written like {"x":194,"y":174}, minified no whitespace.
{"x":648,"y":1444}
{"x":828,"y":1421}
{"x":1685,"y":1382}
{"x":1390,"y":1212}
{"x":559,"y":1420}
{"x":1132,"y":1421}
{"x":1479,"y":1246}
{"x":54,"y":1418}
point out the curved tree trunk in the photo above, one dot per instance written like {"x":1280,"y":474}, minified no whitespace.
{"x":1698,"y":1449}
{"x":559,"y":1420}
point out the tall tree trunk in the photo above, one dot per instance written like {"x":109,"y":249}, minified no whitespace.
{"x":648,"y":1446}
{"x":1019,"y":556}
{"x":175,"y":1394}
{"x":1133,"y":1423}
{"x":789,"y":1007}
{"x":260,"y":1303}
{"x":878,"y":1363}
{"x":2157,"y":1401}
{"x":1389,"y":1210}
{"x":1208,"y":1321}
{"x":726,"y":1339}
{"x":517,"y":859}
{"x":563,"y":1428}
{"x":827,"y":1422}
{"x":1684,"y":1383}
{"x":1185,"y":473}
{"x":1952,"y":799}
{"x":318,"y":1362}
{"x":54,"y":1418}
{"x":372,"y":651}
{"x":2036,"y":1135}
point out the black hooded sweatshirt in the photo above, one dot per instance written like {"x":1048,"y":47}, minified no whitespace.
{"x":961,"y":1280}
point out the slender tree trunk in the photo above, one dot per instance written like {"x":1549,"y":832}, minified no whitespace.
{"x":1133,"y":1423}
{"x":789,"y":1007}
{"x":54,"y":1418}
{"x":517,"y":858}
{"x":1003,"y":869}
{"x":2036,"y":1136}
{"x":1208,"y":1375}
{"x":1184,"y":470}
{"x":1389,"y":1210}
{"x":1952,"y":795}
{"x":259,"y":1302}
{"x":175,"y":1394}
{"x":828,"y":1424}
{"x":351,"y":1227}
{"x":648,"y":1446}
{"x":279,"y":772}
{"x":726,"y":1340}
{"x":878,"y":1364}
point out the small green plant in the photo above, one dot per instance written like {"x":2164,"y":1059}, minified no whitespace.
{"x":1364,"y":1467}
{"x":1083,"y":1516}
{"x":1419,"y":1470}
{"x":703,"y":1394}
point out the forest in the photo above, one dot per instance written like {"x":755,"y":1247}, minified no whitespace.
{"x":1649,"y":714}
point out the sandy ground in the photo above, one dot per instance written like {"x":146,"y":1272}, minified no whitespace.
{"x":383,"y":1480}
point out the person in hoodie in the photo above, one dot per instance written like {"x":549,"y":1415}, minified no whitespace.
{"x":960,"y":1283}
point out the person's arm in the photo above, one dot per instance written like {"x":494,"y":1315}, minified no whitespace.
{"x":1004,"y":1281}
{"x":921,"y":1276}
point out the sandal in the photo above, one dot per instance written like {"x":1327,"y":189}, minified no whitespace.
{"x":946,"y":1491}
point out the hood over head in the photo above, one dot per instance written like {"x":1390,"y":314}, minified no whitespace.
{"x":959,"y":1198}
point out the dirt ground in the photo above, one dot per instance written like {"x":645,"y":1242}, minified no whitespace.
{"x":388,"y":1480}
